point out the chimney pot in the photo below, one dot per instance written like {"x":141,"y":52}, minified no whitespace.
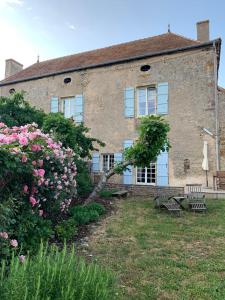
{"x":203,"y":31}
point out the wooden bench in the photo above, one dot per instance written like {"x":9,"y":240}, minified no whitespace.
{"x":168,"y":203}
{"x":196,"y":202}
{"x":120,"y":194}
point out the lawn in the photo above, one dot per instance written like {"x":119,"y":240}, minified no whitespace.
{"x":157,"y":256}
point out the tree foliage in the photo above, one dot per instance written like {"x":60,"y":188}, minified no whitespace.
{"x":15,"y":111}
{"x":152,"y":139}
{"x":71,"y":135}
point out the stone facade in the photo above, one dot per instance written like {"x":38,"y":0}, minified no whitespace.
{"x":221,"y":96}
{"x":191,"y":81}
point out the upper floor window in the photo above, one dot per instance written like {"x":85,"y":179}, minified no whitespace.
{"x":72,"y":108}
{"x":147,"y":97}
{"x":68,"y":107}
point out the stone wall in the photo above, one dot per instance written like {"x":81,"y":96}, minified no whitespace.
{"x":146,"y":190}
{"x":191,"y":105}
{"x":221,"y":98}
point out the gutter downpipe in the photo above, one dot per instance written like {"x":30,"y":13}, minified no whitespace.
{"x":216,"y":108}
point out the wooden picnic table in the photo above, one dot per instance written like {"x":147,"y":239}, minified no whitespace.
{"x":179,"y":200}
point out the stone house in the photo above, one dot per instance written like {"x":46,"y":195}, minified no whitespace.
{"x":110,"y":89}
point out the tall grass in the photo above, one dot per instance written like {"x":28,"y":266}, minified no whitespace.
{"x":55,"y":275}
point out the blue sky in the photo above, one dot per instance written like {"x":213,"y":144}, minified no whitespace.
{"x":53,"y":28}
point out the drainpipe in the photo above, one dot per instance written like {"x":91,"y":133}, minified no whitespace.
{"x":216,"y":108}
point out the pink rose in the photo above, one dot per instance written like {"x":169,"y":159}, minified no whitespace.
{"x":14,"y":243}
{"x":25,"y":188}
{"x":24,"y":158}
{"x":41,"y":212}
{"x":34,"y":163}
{"x":23,"y":140}
{"x":35,"y":148}
{"x":35,"y":172}
{"x":41,"y":172}
{"x":22,"y":258}
{"x":4,"y":235}
{"x":40,"y":163}
{"x":33,"y":201}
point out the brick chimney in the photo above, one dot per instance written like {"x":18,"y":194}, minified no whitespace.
{"x":203,"y":31}
{"x":12,"y":67}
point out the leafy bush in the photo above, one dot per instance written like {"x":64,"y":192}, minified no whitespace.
{"x":80,"y":214}
{"x":37,"y":183}
{"x":66,"y":229}
{"x":15,"y":111}
{"x":96,"y":207}
{"x":85,"y":214}
{"x":55,"y":275}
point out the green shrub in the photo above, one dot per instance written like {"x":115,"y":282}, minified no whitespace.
{"x":85,"y":214}
{"x":80,"y":214}
{"x":106,"y":193}
{"x":97,"y":207}
{"x":93,"y":215}
{"x":55,"y":275}
{"x":66,"y":229}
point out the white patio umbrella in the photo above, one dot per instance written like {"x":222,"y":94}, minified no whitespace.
{"x":205,"y":163}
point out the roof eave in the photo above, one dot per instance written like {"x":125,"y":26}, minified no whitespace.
{"x":120,"y":61}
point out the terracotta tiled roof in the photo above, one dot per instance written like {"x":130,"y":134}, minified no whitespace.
{"x":220,"y":89}
{"x":144,"y":47}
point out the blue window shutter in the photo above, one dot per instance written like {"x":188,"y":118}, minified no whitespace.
{"x":127,"y":175}
{"x":95,"y":162}
{"x":162,"y":169}
{"x":129,"y":102}
{"x":79,"y":108}
{"x":54,"y":104}
{"x":118,"y":157}
{"x":162,"y":98}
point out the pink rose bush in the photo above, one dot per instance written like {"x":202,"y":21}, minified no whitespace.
{"x":37,"y":179}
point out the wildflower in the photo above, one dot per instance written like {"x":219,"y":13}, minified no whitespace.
{"x":4,"y":235}
{"x":22,"y":258}
{"x":14,"y":243}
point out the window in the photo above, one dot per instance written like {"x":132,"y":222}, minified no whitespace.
{"x":73,"y":108}
{"x":145,"y":68}
{"x":147,"y":101}
{"x":107,"y":161}
{"x":147,"y":175}
{"x":68,"y":107}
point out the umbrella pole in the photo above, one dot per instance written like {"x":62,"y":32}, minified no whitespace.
{"x":207,"y":182}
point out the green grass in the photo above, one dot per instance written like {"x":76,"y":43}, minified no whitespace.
{"x":157,"y":256}
{"x":55,"y":275}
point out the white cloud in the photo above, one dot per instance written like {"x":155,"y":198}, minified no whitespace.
{"x":12,"y":2}
{"x":71,"y":26}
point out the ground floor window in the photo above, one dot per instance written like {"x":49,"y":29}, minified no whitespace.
{"x":147,"y":175}
{"x":107,"y":161}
